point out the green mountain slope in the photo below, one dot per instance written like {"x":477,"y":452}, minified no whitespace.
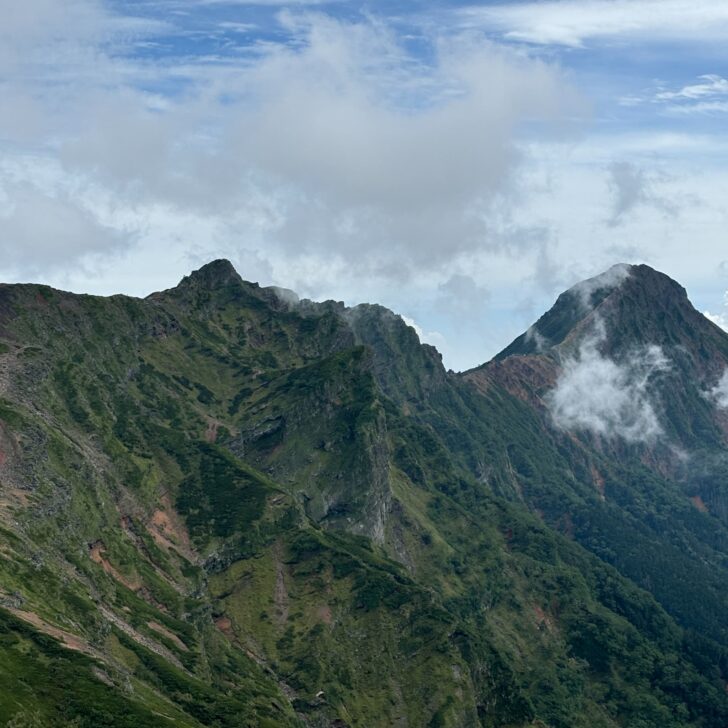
{"x":221,"y":507}
{"x":651,"y":498}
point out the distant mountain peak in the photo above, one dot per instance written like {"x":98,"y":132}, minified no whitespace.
{"x":218,"y":277}
{"x":626,"y":298}
{"x":215,"y":273}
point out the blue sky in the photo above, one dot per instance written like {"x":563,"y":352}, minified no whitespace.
{"x":461,"y":163}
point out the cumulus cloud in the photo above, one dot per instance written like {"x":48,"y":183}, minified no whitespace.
{"x":462,"y":296}
{"x":719,"y":319}
{"x":336,"y":142}
{"x":607,"y":398}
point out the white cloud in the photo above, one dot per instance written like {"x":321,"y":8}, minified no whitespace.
{"x":611,"y":278}
{"x":720,"y":319}
{"x":286,"y":3}
{"x":710,"y":85}
{"x":607,"y":398}
{"x":45,"y":229}
{"x":575,"y":22}
{"x":435,"y":338}
{"x":462,"y":296}
{"x":719,"y":393}
{"x":338,"y":144}
{"x":702,"y":107}
{"x":706,"y":96}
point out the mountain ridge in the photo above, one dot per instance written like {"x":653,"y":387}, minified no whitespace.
{"x":243,"y":510}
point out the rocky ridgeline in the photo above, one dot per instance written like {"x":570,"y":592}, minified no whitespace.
{"x":222,"y":505}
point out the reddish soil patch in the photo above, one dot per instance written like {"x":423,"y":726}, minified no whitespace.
{"x":71,"y":641}
{"x":511,"y":374}
{"x":211,"y":432}
{"x":169,"y":635}
{"x":97,"y":551}
{"x":598,"y":481}
{"x":698,"y":502}
{"x":324,"y":614}
{"x":168,"y":531}
{"x":542,"y":619}
{"x":225,"y":626}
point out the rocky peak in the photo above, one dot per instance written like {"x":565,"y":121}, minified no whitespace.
{"x":214,"y":274}
{"x":405,"y":368}
{"x":633,"y":303}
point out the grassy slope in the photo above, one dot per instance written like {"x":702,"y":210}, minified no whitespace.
{"x":463,"y":611}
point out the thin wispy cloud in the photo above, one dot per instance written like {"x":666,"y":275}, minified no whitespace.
{"x":575,"y":23}
{"x":708,"y":95}
{"x":709,"y":85}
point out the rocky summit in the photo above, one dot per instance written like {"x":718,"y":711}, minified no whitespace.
{"x":224,"y":506}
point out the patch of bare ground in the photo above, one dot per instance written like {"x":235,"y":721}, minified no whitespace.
{"x":160,"y":629}
{"x":512,"y":372}
{"x":280,"y":592}
{"x":67,"y":639}
{"x":168,"y":530}
{"x":129,"y":528}
{"x":211,"y":432}
{"x":699,"y":503}
{"x":141,"y":639}
{"x":324,"y":614}
{"x":96,"y":553}
{"x":224,"y":624}
{"x":101,"y":675}
{"x":543,"y":620}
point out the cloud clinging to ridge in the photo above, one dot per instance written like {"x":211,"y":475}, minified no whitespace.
{"x":607,"y":398}
{"x":719,"y":393}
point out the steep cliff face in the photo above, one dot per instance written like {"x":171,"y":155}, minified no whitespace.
{"x":223,"y":506}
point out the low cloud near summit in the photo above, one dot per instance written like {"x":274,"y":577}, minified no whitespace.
{"x":607,"y":398}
